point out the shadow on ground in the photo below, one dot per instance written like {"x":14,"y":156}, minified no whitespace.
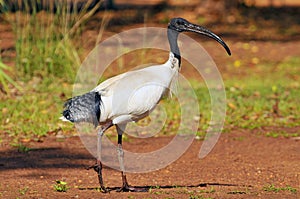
{"x":154,"y":187}
{"x":46,"y":158}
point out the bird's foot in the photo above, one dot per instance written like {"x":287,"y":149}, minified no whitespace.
{"x":98,"y":168}
{"x":128,"y":188}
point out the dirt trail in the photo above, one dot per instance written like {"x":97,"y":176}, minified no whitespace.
{"x":240,"y":165}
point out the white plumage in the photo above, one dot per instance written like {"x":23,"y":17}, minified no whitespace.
{"x":133,"y":95}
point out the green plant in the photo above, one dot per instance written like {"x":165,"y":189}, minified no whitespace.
{"x":198,"y":197}
{"x":152,"y":188}
{"x":5,"y":78}
{"x":276,"y":134}
{"x":35,"y":113}
{"x":212,"y":190}
{"x":261,"y":101}
{"x":272,"y":188}
{"x":23,"y":191}
{"x":291,"y":189}
{"x":272,"y":134}
{"x":61,"y":186}
{"x":47,"y":35}
{"x":22,"y":148}
{"x":158,"y":192}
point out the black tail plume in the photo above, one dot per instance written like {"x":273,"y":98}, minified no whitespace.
{"x":83,"y":108}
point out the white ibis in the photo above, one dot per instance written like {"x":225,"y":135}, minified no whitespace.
{"x":131,"y":96}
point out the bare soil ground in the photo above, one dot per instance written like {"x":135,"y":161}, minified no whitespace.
{"x":240,"y":166}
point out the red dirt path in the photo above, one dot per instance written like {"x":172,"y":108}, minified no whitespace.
{"x":240,"y":165}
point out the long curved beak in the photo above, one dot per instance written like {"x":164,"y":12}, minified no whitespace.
{"x":203,"y":31}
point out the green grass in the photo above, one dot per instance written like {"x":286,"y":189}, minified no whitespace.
{"x":35,"y":110}
{"x":266,"y":95}
{"x":23,"y":191}
{"x":276,"y":134}
{"x":211,"y":190}
{"x":61,"y":186}
{"x":192,"y":194}
{"x":198,"y":197}
{"x":22,"y":148}
{"x":254,"y":106}
{"x":47,"y":38}
{"x":5,"y":79}
{"x":272,"y":188}
{"x":267,"y":98}
{"x":48,"y":45}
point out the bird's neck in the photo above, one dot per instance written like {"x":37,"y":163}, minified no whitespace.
{"x":172,"y":37}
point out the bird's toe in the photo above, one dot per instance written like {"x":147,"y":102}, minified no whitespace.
{"x":127,"y":188}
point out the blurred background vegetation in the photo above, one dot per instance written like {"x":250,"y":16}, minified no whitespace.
{"x":43,"y":42}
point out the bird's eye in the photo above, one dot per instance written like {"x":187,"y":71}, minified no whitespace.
{"x":179,"y":23}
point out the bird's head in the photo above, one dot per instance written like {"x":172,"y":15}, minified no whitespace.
{"x":178,"y":24}
{"x":182,"y":25}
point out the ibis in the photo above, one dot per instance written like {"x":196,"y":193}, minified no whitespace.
{"x":131,"y":96}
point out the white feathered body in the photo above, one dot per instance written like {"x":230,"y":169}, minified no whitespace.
{"x":132,"y":95}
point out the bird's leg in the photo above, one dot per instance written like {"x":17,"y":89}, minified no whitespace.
{"x":98,"y":163}
{"x":98,"y":166}
{"x":125,"y":186}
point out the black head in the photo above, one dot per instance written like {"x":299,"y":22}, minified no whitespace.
{"x":182,"y":25}
{"x":68,"y":115}
{"x":178,"y":24}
